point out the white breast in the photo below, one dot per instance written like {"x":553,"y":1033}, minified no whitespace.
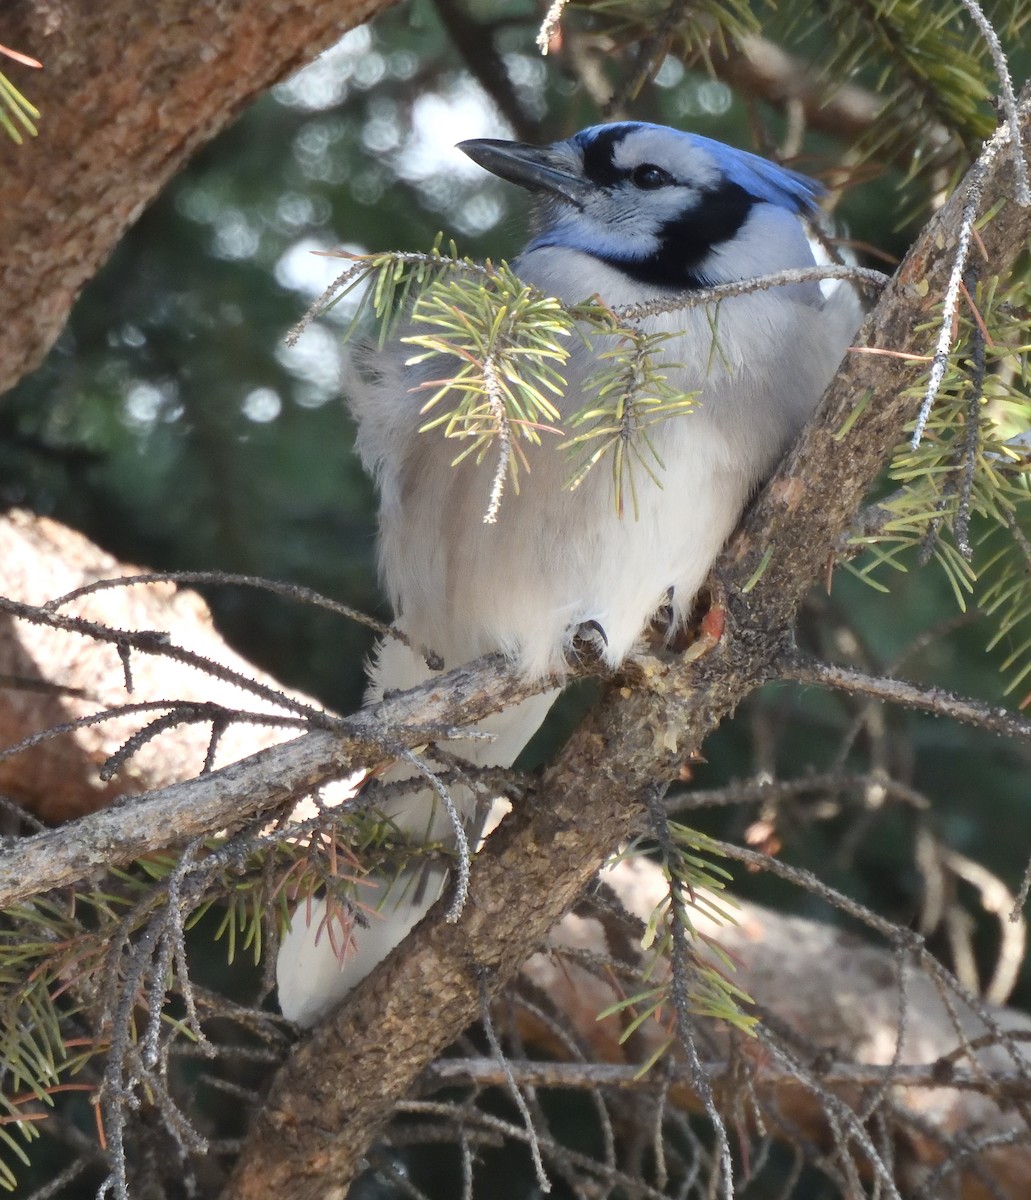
{"x":556,"y":558}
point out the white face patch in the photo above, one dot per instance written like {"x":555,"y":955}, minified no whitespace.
{"x":707,"y":214}
{"x":623,"y":220}
{"x":688,"y":164}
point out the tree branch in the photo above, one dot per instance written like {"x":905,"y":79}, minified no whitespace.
{"x":934,"y":700}
{"x":53,"y":678}
{"x":488,"y":1072}
{"x":474,"y":41}
{"x":868,"y":1017}
{"x":260,"y":784}
{"x":763,"y":69}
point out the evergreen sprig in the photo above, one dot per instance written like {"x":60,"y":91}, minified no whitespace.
{"x":386,"y":282}
{"x":632,"y":394}
{"x":45,"y":946}
{"x":685,"y":30}
{"x":929,"y":63}
{"x":15,"y":109}
{"x":491,"y":351}
{"x":931,"y":66}
{"x":965,"y":491}
{"x":498,"y":346}
{"x":696,"y":883}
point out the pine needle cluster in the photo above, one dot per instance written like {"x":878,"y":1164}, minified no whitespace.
{"x":964,"y":492}
{"x":96,"y":994}
{"x":492,"y":349}
{"x":684,"y":969}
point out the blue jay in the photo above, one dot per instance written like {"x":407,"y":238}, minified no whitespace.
{"x":630,"y":212}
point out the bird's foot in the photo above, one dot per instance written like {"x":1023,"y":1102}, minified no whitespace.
{"x":589,"y":642}
{"x":661,"y":630}
{"x":708,"y":624}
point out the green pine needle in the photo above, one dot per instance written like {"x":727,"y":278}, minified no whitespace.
{"x":494,"y":349}
{"x":965,"y":493}
{"x":14,"y":107}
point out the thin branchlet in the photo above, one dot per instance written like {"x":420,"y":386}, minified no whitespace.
{"x":462,"y":850}
{"x":549,"y":25}
{"x":971,"y":443}
{"x":496,"y":400}
{"x":867,"y":277}
{"x":1007,"y":100}
{"x":157,"y":643}
{"x":543,"y":1182}
{"x":680,"y":957}
{"x":289,"y":591}
{"x":950,"y":302}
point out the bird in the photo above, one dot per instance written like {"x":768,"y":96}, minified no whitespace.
{"x":629,"y":212}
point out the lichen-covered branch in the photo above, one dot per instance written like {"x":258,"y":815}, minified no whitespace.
{"x":263,"y":783}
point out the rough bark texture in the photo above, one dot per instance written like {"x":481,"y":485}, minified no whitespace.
{"x":262,"y":784}
{"x":331,"y":1098}
{"x":128,"y":93}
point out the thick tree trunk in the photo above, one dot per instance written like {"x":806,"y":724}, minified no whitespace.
{"x":128,"y":92}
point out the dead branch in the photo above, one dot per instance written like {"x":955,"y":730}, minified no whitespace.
{"x":263,"y":783}
{"x":945,"y":1068}
{"x":993,"y":718}
{"x":945,"y":1071}
{"x":51,"y":677}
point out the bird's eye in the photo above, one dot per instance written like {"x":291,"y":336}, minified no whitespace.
{"x":650,"y":177}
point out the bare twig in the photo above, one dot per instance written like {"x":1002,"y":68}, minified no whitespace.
{"x":950,"y":303}
{"x":585,"y":1076}
{"x":496,"y":401}
{"x":150,"y":641}
{"x":998,"y":900}
{"x":865,"y":276}
{"x":461,"y":888}
{"x":543,"y":1182}
{"x":680,"y":966}
{"x":937,"y":701}
{"x":474,"y":42}
{"x":261,"y":784}
{"x":1008,"y":101}
{"x":289,"y":591}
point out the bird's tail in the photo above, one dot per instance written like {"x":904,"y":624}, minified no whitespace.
{"x":319,"y":965}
